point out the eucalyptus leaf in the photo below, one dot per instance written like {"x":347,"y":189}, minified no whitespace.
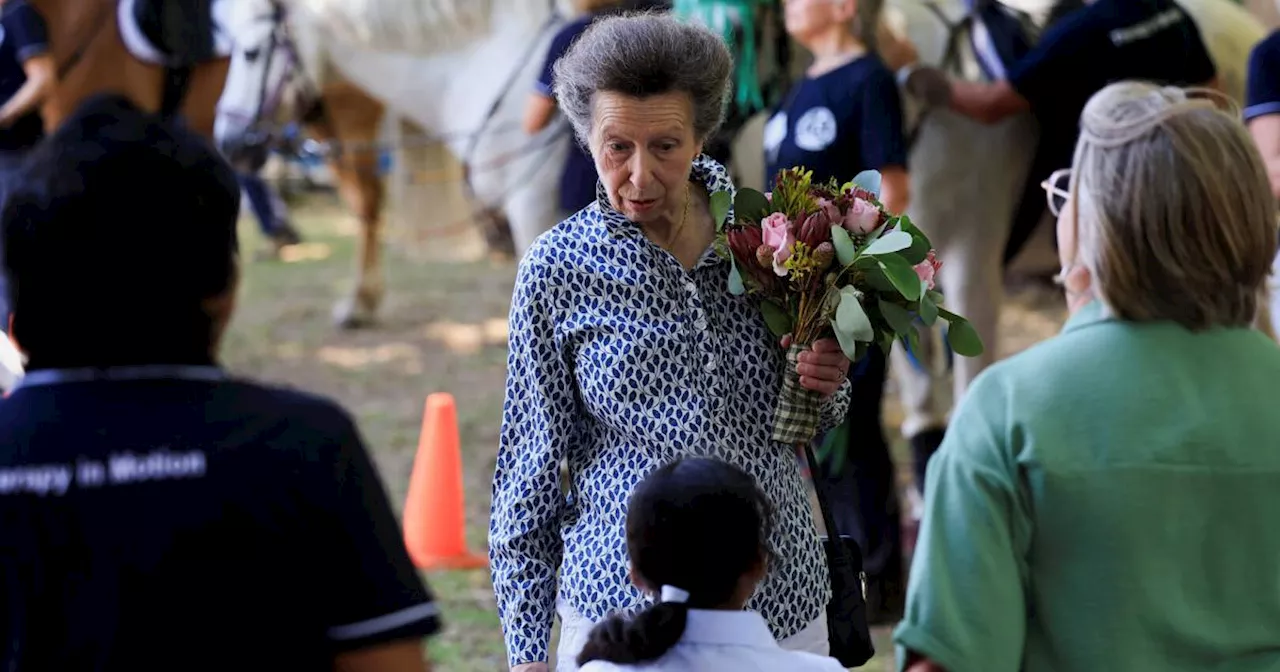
{"x":897,"y":317}
{"x":918,"y":251}
{"x":736,"y":287}
{"x":875,"y":277}
{"x":964,"y":339}
{"x":846,"y":251}
{"x":928,"y":310}
{"x":893,"y":241}
{"x":847,"y":345}
{"x":913,"y":342}
{"x":902,"y":276}
{"x":851,"y":318}
{"x":750,"y":204}
{"x":886,"y":341}
{"x":935,"y":296}
{"x":869,"y":180}
{"x":721,"y":201}
{"x":776,"y":318}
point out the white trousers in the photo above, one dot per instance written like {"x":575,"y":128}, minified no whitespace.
{"x":574,"y":630}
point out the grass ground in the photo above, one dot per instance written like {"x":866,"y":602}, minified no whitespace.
{"x":443,"y":329}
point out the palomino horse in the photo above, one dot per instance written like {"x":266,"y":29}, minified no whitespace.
{"x":168,"y":56}
{"x":299,"y":59}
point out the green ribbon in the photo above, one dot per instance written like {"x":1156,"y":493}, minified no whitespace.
{"x":719,"y":16}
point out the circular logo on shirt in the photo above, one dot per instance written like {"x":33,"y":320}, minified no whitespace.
{"x":816,"y":130}
{"x":774,"y":133}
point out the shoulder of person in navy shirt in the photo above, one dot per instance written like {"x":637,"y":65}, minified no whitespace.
{"x":1262,"y":104}
{"x":157,"y":512}
{"x":27,"y":74}
{"x":578,"y":181}
{"x":1104,"y":42}
{"x":845,"y":116}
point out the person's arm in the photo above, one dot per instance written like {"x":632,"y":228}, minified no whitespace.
{"x":540,"y":419}
{"x":30,"y":39}
{"x":966,"y":598}
{"x":541,"y":107}
{"x":538,"y":112}
{"x":882,"y":140}
{"x":405,"y":656}
{"x":986,"y":102}
{"x":1265,"y":130}
{"x":376,"y":610}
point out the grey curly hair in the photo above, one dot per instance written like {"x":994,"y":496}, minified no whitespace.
{"x":642,"y":55}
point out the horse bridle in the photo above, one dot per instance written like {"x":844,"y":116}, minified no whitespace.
{"x":269,"y":96}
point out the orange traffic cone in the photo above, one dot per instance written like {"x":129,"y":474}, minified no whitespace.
{"x":434,"y":520}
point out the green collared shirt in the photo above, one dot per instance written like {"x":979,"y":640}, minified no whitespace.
{"x":1107,"y":500}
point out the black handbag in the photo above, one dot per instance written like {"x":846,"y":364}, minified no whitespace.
{"x":847,"y":629}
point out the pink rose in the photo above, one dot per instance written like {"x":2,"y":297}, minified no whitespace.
{"x":927,"y":269}
{"x":862,"y":217}
{"x":778,"y":235}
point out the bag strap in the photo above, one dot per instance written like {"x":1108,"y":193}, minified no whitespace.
{"x":827,"y":520}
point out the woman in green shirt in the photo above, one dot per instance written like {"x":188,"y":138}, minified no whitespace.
{"x":1108,"y":499}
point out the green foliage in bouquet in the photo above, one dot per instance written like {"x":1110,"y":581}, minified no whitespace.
{"x":828,"y":259}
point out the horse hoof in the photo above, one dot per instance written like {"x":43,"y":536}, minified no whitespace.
{"x":347,"y":316}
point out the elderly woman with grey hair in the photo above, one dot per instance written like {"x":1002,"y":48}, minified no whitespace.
{"x":1106,"y":499}
{"x":628,"y":351}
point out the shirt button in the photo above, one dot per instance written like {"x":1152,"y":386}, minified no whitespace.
{"x":710,"y":365}
{"x":701,"y":324}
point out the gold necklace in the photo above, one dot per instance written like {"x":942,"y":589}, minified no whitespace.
{"x":683,"y":216}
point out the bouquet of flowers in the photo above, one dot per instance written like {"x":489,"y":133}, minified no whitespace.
{"x":829,"y":259}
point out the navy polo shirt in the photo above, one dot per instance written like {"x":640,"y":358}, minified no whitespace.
{"x":1262,"y":95}
{"x":193,"y":522}
{"x":838,"y":124}
{"x":578,"y":181}
{"x":23,"y":35}
{"x":1106,"y":42}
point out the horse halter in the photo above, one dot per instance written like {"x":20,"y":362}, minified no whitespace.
{"x":279,"y":44}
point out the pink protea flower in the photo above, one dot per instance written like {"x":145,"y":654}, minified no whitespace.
{"x":928,"y":269}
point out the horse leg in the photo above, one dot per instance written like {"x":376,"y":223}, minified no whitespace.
{"x":352,"y":119}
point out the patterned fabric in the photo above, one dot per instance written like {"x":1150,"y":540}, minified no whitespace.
{"x":621,"y":361}
{"x":798,"y":413}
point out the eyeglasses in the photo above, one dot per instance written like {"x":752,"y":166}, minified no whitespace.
{"x":1056,"y":189}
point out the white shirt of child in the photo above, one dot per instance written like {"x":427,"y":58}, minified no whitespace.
{"x":726,"y":641}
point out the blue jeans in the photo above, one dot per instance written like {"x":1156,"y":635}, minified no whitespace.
{"x":268,"y":208}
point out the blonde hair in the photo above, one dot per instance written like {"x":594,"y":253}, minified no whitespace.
{"x":1174,"y":216}
{"x":594,"y":5}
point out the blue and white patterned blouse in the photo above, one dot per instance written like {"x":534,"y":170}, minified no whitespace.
{"x":622,"y":361}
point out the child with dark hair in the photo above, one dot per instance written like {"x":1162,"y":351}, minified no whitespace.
{"x":696,"y":534}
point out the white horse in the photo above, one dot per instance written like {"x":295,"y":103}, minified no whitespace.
{"x":461,"y":69}
{"x":966,"y":178}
